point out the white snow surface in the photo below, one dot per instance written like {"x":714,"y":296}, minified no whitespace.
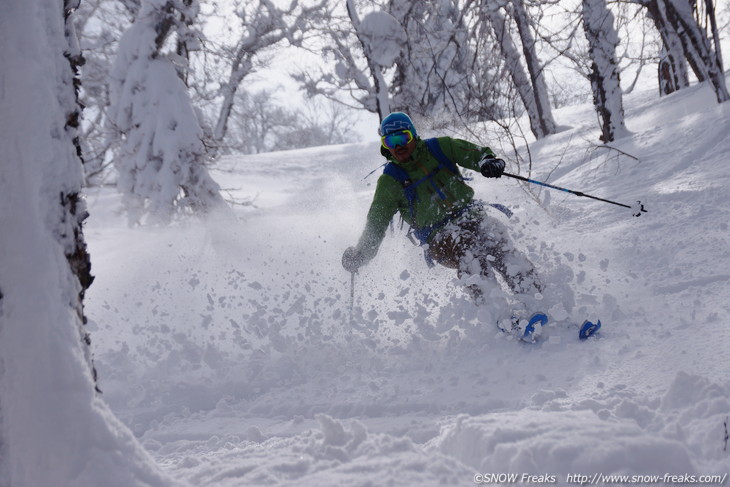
{"x":227,"y":347}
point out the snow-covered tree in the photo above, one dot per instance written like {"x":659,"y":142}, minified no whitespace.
{"x":381,"y":37}
{"x":256,"y":121}
{"x":701,"y":50}
{"x":99,"y":24}
{"x":534,"y":67}
{"x":672,"y":69}
{"x":531,"y":89}
{"x":430,"y":57}
{"x":72,"y":439}
{"x":262,"y":25}
{"x":261,"y":123}
{"x":417,"y":53}
{"x":690,"y":35}
{"x":437,"y":59}
{"x":161,"y":161}
{"x":319,"y":122}
{"x":359,"y":51}
{"x":604,"y":76}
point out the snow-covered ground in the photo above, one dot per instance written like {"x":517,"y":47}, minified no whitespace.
{"x":228,"y":348}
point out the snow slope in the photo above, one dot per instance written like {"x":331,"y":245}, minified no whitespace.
{"x":228,"y":349}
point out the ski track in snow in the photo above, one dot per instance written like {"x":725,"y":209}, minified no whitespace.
{"x":226,"y":345}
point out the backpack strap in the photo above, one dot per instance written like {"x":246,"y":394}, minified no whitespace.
{"x":409,"y":186}
{"x":409,"y":189}
{"x":435,"y":149}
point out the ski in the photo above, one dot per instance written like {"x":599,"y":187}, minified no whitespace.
{"x":530,"y":331}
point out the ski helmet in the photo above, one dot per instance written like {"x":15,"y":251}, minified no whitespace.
{"x":397,"y":121}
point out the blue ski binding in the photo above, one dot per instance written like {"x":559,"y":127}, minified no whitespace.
{"x":588,"y":329}
{"x":540,"y":318}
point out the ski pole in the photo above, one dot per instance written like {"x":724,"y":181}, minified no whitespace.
{"x":352,"y":294}
{"x":638,"y":208}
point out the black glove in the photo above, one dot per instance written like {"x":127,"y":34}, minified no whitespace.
{"x":352,"y":259}
{"x":492,"y":167}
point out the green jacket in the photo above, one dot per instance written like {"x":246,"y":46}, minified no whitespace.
{"x":430,"y":209}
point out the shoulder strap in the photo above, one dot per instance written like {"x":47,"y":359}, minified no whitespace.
{"x":401,"y":175}
{"x":409,"y":186}
{"x":396,"y":172}
{"x":435,"y":149}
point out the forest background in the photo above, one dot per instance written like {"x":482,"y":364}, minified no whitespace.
{"x":265,"y":75}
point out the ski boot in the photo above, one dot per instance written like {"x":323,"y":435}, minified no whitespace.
{"x":588,"y":329}
{"x":524,"y":329}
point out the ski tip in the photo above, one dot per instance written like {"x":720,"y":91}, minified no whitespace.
{"x":588,"y":329}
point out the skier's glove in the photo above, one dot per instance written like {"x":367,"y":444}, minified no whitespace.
{"x":491,"y":167}
{"x":352,"y":259}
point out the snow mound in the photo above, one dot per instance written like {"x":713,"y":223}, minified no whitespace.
{"x":565,"y":442}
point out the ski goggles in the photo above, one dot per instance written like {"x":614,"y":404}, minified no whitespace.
{"x":401,"y":137}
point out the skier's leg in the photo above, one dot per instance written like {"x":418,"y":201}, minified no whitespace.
{"x":457,"y":246}
{"x":496,"y":250}
{"x":452,"y":248}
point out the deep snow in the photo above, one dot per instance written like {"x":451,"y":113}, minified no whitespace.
{"x":226,"y":345}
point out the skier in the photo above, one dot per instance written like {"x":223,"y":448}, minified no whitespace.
{"x":422,"y":182}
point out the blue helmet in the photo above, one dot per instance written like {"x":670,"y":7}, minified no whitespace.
{"x":397,"y":121}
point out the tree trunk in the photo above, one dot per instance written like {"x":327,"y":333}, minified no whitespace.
{"x":709,"y":60}
{"x":673,"y":74}
{"x":74,"y":207}
{"x":688,"y":48}
{"x":240,"y":69}
{"x":54,"y":428}
{"x":710,"y":9}
{"x":604,"y":77}
{"x":517,"y":73}
{"x":539,"y":87}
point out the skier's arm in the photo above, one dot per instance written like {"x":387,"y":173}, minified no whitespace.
{"x":382,"y":209}
{"x":471,"y":156}
{"x":464,"y":153}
